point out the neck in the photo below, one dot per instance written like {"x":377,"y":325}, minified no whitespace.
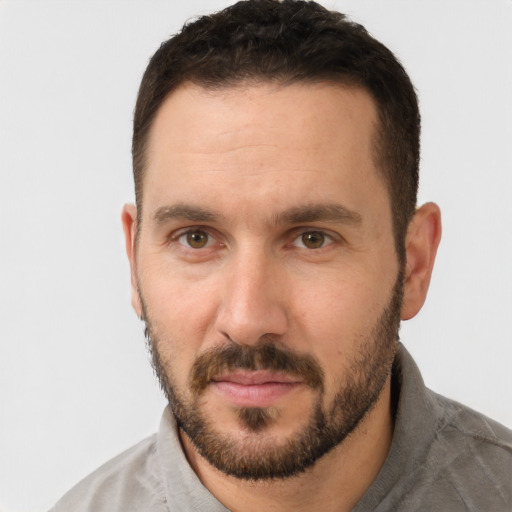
{"x":335,"y":483}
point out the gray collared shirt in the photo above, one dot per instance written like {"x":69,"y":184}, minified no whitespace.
{"x":444,"y":457}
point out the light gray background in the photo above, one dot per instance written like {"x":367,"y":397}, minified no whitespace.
{"x":75,"y":385}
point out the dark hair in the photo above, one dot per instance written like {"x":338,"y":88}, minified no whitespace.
{"x":289,"y":42}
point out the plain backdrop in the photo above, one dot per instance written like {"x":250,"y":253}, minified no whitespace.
{"x":75,"y":384}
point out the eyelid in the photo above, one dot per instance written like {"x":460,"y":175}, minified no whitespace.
{"x":296,"y":233}
{"x":330,"y":236}
{"x":209,"y":241}
{"x":175,"y":236}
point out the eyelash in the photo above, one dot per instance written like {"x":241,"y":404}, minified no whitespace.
{"x":327,"y":238}
{"x":190,"y":232}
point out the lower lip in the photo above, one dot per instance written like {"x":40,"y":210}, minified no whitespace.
{"x":254,"y":395}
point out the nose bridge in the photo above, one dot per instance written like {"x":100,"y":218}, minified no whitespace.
{"x":253,"y":301}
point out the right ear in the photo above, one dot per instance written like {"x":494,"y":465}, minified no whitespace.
{"x":129,"y":219}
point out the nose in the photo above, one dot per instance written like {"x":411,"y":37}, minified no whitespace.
{"x":253,"y":299}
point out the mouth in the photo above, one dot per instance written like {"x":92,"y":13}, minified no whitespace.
{"x":254,"y":388}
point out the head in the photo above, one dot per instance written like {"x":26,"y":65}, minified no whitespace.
{"x":291,"y":42}
{"x":275,"y":244}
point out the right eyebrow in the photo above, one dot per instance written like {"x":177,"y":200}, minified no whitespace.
{"x":183,"y":212}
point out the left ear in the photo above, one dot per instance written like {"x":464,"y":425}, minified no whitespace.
{"x":422,"y":240}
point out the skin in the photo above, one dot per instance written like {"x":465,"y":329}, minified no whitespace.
{"x":249,"y":155}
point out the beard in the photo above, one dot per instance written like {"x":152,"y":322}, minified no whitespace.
{"x":258,"y":455}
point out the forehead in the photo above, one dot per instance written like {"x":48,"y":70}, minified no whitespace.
{"x":226,"y":113}
{"x":261,"y":140}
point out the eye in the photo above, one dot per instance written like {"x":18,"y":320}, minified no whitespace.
{"x":312,"y":240}
{"x":196,"y":239}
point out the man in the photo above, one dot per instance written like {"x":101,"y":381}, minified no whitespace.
{"x":274,"y":248}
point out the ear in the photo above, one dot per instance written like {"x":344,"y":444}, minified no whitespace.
{"x":129,"y":219}
{"x":423,"y":237}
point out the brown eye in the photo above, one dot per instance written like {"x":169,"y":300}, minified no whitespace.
{"x":195,"y":239}
{"x":313,"y":239}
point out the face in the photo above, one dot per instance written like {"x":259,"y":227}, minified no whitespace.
{"x":266,"y":270}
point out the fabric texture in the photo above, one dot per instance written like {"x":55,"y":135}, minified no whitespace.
{"x":444,"y":457}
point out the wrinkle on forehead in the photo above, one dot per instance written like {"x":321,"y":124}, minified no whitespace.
{"x":236,"y":148}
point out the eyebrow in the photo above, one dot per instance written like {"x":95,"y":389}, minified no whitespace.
{"x":331,"y":212}
{"x":184,"y":212}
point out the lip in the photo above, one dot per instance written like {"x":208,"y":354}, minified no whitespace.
{"x":254,"y":389}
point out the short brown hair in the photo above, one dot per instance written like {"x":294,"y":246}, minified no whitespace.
{"x":291,"y":41}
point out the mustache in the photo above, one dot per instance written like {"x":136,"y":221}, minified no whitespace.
{"x":267,"y":356}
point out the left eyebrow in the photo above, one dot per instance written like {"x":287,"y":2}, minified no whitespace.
{"x":331,"y":212}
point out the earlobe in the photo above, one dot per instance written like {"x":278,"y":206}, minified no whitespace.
{"x":129,"y":220}
{"x":422,"y":241}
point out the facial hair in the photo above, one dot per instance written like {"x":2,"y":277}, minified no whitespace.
{"x":254,"y":457}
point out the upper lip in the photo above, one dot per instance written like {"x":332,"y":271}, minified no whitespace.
{"x":251,"y":378}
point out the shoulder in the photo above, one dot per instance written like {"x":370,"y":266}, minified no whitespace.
{"x":468,"y":426}
{"x":472,"y":456}
{"x":129,"y":482}
{"x":444,"y":455}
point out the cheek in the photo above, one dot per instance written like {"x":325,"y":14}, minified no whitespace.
{"x":181,"y":314}
{"x":338,"y":320}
